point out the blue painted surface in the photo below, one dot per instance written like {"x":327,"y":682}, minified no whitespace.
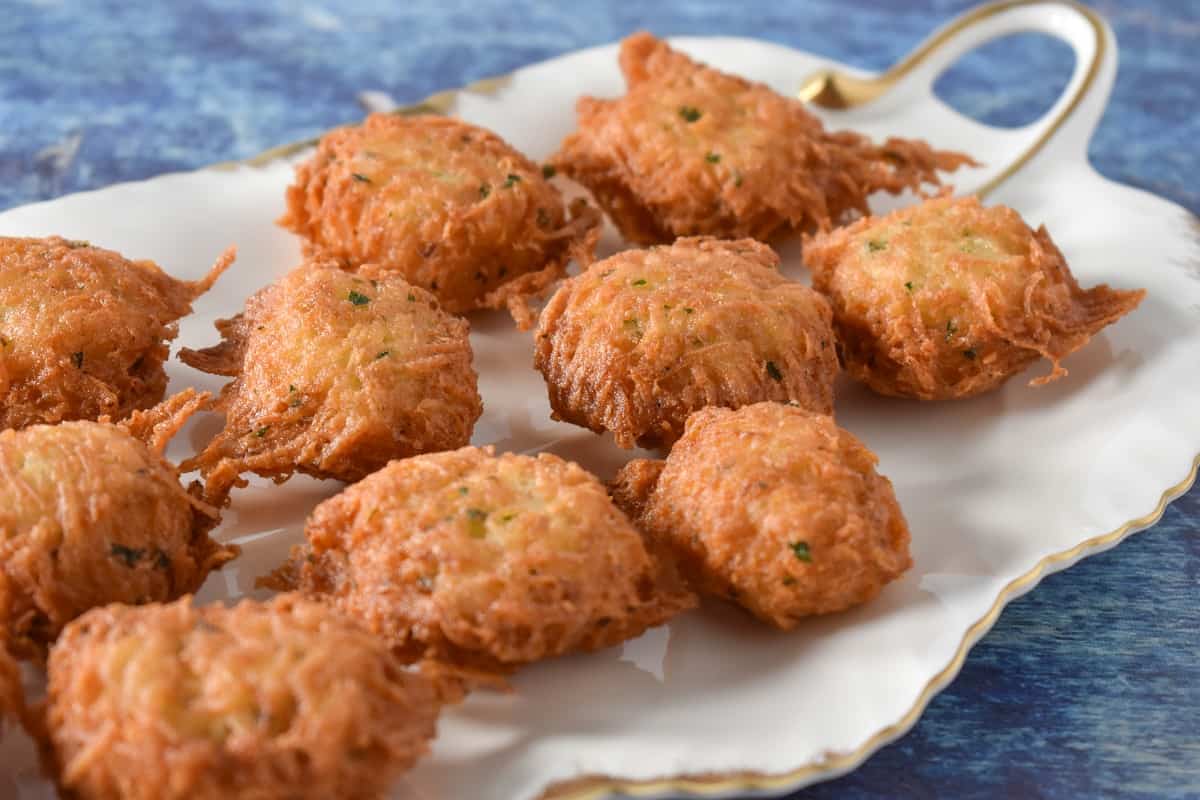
{"x":1090,"y":686}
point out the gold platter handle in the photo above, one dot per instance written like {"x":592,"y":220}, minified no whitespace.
{"x":1072,"y":117}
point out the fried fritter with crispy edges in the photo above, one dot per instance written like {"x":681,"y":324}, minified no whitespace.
{"x":772,"y":507}
{"x":335,"y":376}
{"x":485,"y":561}
{"x":642,"y":339}
{"x":84,"y":331}
{"x":949,"y":299}
{"x":689,"y":150}
{"x":91,"y":515}
{"x":12,"y":696}
{"x":448,"y":206}
{"x":283,"y":700}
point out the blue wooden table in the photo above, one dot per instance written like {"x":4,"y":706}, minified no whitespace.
{"x":1089,"y":686}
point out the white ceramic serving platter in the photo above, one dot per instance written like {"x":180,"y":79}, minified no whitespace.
{"x":998,"y":490}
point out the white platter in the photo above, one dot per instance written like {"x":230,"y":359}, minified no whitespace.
{"x":998,"y":490}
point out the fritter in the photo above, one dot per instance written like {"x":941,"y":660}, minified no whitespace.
{"x":693,"y":151}
{"x":449,"y":206}
{"x":335,"y":376}
{"x":949,"y":299}
{"x":485,"y":561}
{"x":773,"y":507}
{"x":84,"y":331}
{"x":642,"y":339}
{"x":283,"y":700}
{"x":12,"y":697}
{"x":91,"y":515}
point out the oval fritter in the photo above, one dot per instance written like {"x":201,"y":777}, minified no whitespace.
{"x":689,"y":150}
{"x":773,"y":507}
{"x":485,"y":561}
{"x":84,"y":331}
{"x":90,"y":515}
{"x":449,"y":206}
{"x":335,"y":376}
{"x":642,"y":339}
{"x":949,"y":299}
{"x":283,"y":699}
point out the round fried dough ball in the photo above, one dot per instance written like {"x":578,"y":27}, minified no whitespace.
{"x":283,"y":700}
{"x":449,"y":206}
{"x":642,"y":339}
{"x":335,"y":376}
{"x":486,"y":561}
{"x":690,"y":150}
{"x":90,"y":515}
{"x":950,"y":299}
{"x":84,"y":331}
{"x":773,"y":507}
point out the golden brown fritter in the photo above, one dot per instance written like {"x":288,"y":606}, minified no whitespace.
{"x":84,"y":331}
{"x":91,"y":515}
{"x":950,"y":299}
{"x":335,"y":376}
{"x":12,"y":697}
{"x":689,"y":150}
{"x":642,"y":339}
{"x":284,"y":700}
{"x":449,"y":206}
{"x":773,"y":507}
{"x":485,"y":561}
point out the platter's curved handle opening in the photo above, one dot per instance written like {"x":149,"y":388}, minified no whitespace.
{"x":1072,"y":117}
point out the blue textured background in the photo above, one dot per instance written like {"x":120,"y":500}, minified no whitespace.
{"x":1090,"y":686}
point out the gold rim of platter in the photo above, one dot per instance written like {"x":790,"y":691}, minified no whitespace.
{"x":840,"y":90}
